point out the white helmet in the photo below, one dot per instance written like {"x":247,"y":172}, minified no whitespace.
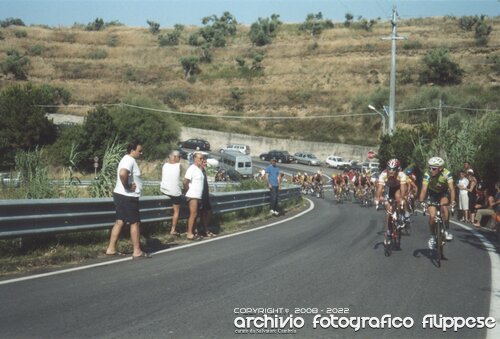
{"x":436,"y":162}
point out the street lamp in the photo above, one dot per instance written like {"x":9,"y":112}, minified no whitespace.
{"x":381,"y":115}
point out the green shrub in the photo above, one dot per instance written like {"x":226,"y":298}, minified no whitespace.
{"x":412,"y":45}
{"x":15,"y":64}
{"x":35,"y":50}
{"x":20,"y":34}
{"x":154,"y":27}
{"x":112,"y":41}
{"x":11,"y":22}
{"x":98,"y":54}
{"x":439,"y":69}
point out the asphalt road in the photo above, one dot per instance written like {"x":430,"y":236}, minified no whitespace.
{"x":329,"y":259}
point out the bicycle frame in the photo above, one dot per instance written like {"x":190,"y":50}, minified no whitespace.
{"x":394,"y":228}
{"x":440,"y":231}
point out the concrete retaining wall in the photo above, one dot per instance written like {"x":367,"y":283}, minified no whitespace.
{"x":260,"y":145}
{"x":257,"y":145}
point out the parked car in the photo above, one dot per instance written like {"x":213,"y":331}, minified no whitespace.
{"x":245,"y":149}
{"x":281,"y":156}
{"x":195,"y":143}
{"x":306,"y":158}
{"x":337,"y":162}
{"x":371,"y":166}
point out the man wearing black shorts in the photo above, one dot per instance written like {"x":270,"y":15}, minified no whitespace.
{"x":126,"y":198}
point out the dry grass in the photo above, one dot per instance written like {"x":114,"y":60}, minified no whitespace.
{"x":302,"y":75}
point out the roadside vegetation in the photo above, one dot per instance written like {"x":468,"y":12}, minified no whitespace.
{"x":126,"y":82}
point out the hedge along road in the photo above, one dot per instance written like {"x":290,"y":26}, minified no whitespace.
{"x":325,"y":261}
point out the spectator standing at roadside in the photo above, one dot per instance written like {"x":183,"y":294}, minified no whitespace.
{"x":472,"y":192}
{"x":170,"y":186}
{"x":205,"y":208}
{"x":463,"y":195}
{"x":273,"y":179}
{"x":126,"y":198}
{"x":193,"y":186}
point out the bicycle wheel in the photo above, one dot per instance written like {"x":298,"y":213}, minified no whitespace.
{"x":439,"y":243}
{"x":396,"y":238}
{"x":388,"y":243}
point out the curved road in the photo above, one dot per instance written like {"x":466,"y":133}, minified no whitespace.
{"x":326,"y":260}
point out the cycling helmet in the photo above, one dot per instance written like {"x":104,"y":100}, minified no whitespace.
{"x":393,"y":164}
{"x":409,"y":171}
{"x":436,"y":162}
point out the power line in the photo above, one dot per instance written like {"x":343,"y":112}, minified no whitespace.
{"x":269,"y":117}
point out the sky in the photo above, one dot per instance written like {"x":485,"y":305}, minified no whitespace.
{"x":167,"y":13}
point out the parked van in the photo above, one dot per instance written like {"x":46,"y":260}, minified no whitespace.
{"x":244,"y":149}
{"x":233,"y":160}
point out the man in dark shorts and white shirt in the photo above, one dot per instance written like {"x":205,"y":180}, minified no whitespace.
{"x":126,"y":198}
{"x":170,"y":186}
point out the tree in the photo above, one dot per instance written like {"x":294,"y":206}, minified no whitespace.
{"x":482,"y":32}
{"x":97,"y":25}
{"x":466,"y":23}
{"x":11,"y":21}
{"x":215,"y":31}
{"x":98,"y":131}
{"x":190,"y":65}
{"x":315,"y":24}
{"x":439,"y":69}
{"x":348,"y":19}
{"x":154,"y":27}
{"x":171,"y":38}
{"x":24,"y":124}
{"x":157,"y":132}
{"x":264,"y":29}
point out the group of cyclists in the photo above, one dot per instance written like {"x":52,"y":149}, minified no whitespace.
{"x":392,"y":185}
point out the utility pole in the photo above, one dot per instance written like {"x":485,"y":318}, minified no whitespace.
{"x":392,"y":91}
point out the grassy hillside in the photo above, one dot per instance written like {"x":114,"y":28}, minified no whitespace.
{"x":340,"y":72}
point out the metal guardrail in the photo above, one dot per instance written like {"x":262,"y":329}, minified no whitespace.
{"x":26,"y":217}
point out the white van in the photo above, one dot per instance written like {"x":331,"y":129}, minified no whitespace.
{"x":244,"y":149}
{"x":241,"y":163}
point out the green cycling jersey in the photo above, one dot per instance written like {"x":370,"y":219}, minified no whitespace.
{"x":438,"y":183}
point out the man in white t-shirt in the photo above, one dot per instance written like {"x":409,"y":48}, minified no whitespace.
{"x":126,"y":198}
{"x":193,"y":185}
{"x":170,"y":186}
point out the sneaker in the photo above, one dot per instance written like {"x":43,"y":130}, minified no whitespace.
{"x":276,"y":213}
{"x":448,"y":236}
{"x":432,"y":243}
{"x":387,"y":242}
{"x":272,"y":212}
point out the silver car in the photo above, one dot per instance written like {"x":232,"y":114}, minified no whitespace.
{"x":306,"y":158}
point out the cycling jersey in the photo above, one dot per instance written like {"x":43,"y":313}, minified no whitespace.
{"x":438,"y":183}
{"x":392,"y":182}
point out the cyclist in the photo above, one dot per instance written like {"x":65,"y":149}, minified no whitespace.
{"x":395,"y":180}
{"x":412,"y":189}
{"x":437,"y":184}
{"x":318,"y":181}
{"x":338,"y":185}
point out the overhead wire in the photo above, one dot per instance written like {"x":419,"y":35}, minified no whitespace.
{"x":239,"y":117}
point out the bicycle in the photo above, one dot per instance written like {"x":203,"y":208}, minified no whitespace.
{"x":318,"y":190}
{"x":395,"y":223}
{"x":440,"y":231}
{"x":339,"y":194}
{"x":411,"y":204}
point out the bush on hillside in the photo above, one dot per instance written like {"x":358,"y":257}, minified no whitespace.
{"x":15,"y":64}
{"x":264,"y":30}
{"x":439,"y":69}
